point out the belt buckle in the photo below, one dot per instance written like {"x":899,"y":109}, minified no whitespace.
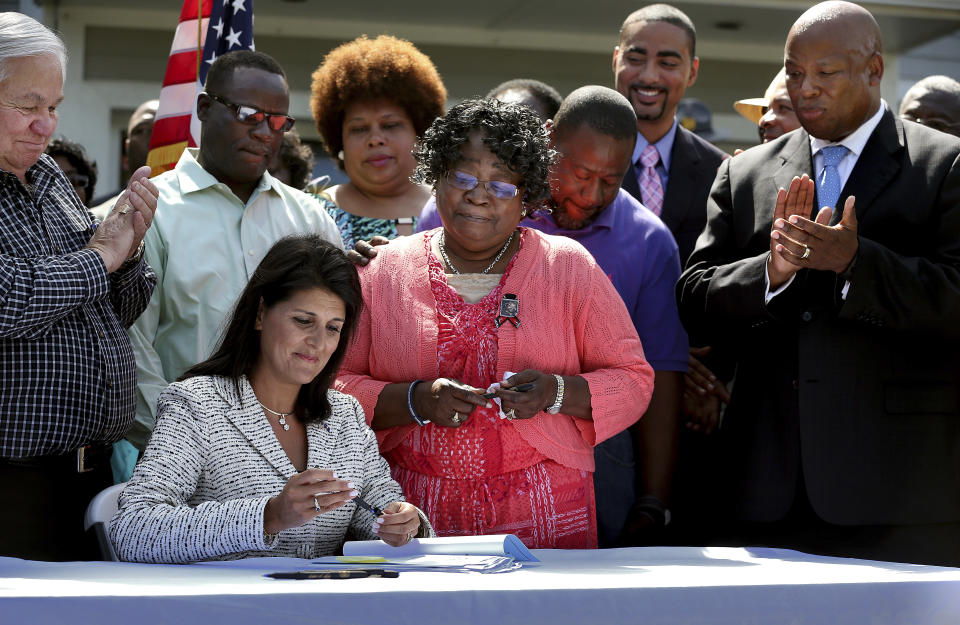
{"x":81,"y":460}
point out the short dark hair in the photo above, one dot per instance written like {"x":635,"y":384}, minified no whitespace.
{"x":295,"y":263}
{"x":548,"y":97}
{"x":296,"y":157}
{"x":664,"y":13}
{"x":602,"y":109}
{"x":371,"y":69}
{"x":77,"y":156}
{"x":513,"y":132}
{"x":222,"y":69}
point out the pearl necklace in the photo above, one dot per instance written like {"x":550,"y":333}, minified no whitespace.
{"x":446,"y":259}
{"x":283,"y":415}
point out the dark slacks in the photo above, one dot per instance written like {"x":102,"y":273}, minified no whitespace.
{"x":933,"y":543}
{"x":46,"y":499}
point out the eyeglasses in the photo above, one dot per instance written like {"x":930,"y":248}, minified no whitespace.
{"x":252,"y":116}
{"x":78,"y":181}
{"x":496,"y":188}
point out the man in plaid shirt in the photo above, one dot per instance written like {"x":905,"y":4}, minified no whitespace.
{"x":69,"y":288}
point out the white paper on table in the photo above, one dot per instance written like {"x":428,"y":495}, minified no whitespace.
{"x":490,"y":545}
{"x":433,"y":563}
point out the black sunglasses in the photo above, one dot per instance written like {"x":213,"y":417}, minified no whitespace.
{"x":252,"y":116}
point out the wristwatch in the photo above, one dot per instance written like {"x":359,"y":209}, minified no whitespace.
{"x":555,"y":408}
{"x":133,"y":260}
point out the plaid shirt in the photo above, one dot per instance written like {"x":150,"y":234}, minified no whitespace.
{"x":67,"y":374}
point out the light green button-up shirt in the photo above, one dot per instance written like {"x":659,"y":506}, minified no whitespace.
{"x":204,"y":244}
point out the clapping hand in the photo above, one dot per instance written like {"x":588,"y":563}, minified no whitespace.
{"x":119,"y":235}
{"x":816,"y":244}
{"x":797,"y":200}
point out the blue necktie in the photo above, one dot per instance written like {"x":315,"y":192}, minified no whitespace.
{"x":828,"y":182}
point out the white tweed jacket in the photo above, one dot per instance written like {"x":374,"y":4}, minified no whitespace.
{"x":212,"y":464}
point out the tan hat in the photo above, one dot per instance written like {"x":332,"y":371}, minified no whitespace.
{"x":754,"y":108}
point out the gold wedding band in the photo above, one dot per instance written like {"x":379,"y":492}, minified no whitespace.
{"x":806,"y":252}
{"x":511,"y":414}
{"x":125,"y":208}
{"x":456,"y":417}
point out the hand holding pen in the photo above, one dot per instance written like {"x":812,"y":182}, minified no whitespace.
{"x":398,"y":524}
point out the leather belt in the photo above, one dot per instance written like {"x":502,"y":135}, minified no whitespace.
{"x":81,"y":460}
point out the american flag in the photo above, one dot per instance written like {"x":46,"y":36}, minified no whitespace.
{"x":207,"y":29}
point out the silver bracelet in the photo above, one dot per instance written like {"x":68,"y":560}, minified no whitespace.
{"x":555,"y":408}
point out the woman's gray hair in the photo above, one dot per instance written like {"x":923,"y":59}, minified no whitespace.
{"x":21,"y":36}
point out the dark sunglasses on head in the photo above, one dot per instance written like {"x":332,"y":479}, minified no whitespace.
{"x":252,"y":116}
{"x":496,"y":188}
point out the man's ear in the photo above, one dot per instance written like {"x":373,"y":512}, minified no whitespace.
{"x":875,"y":66}
{"x":694,"y":71}
{"x":616,"y":54}
{"x":203,"y":106}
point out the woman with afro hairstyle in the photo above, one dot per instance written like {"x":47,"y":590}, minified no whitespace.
{"x":371,"y":99}
{"x":481,"y":305}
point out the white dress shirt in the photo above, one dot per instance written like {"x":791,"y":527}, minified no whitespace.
{"x":204,"y":244}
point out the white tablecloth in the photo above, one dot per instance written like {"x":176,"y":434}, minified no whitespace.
{"x":649,"y":585}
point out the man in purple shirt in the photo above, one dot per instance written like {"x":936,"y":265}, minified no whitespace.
{"x":594,"y":133}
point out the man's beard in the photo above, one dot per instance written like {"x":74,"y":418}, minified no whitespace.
{"x":655,"y":116}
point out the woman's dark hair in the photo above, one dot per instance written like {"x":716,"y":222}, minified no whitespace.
{"x":77,"y":156}
{"x":513,"y":132}
{"x":293,"y":264}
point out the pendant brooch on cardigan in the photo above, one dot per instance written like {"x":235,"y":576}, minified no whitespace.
{"x":509,"y":310}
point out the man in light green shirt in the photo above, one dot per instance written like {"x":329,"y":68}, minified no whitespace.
{"x":218,"y":214}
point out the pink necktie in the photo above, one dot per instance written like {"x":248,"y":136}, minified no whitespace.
{"x":651,"y":190}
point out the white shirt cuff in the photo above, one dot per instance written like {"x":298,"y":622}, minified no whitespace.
{"x":768,"y":294}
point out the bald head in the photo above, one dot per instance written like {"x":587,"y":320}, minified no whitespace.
{"x":853,"y":24}
{"x":834,"y":66}
{"x":603,"y":109}
{"x":934,"y":102}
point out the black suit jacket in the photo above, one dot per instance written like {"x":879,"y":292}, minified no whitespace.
{"x":863,"y":393}
{"x":693,"y":166}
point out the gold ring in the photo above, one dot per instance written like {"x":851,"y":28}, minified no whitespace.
{"x":511,"y":414}
{"x":124,"y":209}
{"x":806,"y":252}
{"x":456,"y":417}
{"x":411,"y":534}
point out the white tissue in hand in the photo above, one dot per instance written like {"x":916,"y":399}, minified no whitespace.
{"x":494,"y":387}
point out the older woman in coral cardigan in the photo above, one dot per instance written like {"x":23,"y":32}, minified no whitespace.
{"x":452,"y":312}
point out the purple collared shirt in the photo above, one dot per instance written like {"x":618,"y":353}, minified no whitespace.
{"x":639,"y":255}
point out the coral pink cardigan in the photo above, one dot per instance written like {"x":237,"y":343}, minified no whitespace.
{"x":573,"y":323}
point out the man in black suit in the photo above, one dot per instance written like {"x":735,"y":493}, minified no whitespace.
{"x":840,"y":296}
{"x":654,"y":64}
